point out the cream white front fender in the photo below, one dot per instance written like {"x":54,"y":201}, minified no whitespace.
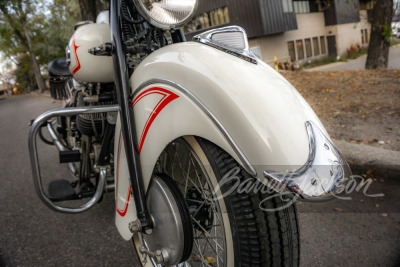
{"x":247,"y":109}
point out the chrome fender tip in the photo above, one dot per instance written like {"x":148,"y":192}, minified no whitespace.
{"x":321,"y":178}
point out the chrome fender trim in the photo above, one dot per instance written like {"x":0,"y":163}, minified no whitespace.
{"x":246,"y":163}
{"x":322,"y":177}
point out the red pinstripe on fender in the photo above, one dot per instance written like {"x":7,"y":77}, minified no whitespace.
{"x":122,"y":212}
{"x":167,"y":97}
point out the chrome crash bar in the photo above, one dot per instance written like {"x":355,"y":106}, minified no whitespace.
{"x":321,"y":178}
{"x":37,"y":181}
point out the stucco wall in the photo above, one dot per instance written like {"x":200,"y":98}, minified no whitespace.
{"x":350,"y":34}
{"x":311,"y":25}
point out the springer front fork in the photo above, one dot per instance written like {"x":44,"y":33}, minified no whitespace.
{"x":128,"y":128}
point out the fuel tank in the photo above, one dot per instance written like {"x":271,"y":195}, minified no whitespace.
{"x":84,"y":66}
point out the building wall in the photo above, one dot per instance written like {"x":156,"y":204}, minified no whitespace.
{"x":208,"y":5}
{"x":350,"y":34}
{"x":257,"y":17}
{"x":274,"y":19}
{"x":311,"y":25}
{"x":347,"y":11}
{"x":246,"y":14}
{"x":342,"y":12}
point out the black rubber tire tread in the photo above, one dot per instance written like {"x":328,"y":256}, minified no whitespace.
{"x":260,"y":238}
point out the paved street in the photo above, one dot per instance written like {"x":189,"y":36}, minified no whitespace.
{"x":359,"y":63}
{"x":361,"y":232}
{"x":33,"y":235}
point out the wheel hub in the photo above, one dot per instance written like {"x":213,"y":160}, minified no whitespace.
{"x":173,"y":232}
{"x":200,"y":210}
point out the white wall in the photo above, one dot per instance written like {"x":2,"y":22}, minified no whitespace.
{"x":350,"y":34}
{"x":311,"y":25}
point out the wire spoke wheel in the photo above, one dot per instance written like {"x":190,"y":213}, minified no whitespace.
{"x":230,"y":227}
{"x":180,"y":162}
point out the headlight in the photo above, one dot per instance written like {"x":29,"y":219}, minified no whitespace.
{"x":167,"y":14}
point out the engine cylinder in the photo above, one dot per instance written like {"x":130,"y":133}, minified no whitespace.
{"x":85,"y":124}
{"x":90,"y":124}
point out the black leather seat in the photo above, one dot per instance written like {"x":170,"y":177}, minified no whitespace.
{"x":59,"y":78}
{"x":59,"y":67}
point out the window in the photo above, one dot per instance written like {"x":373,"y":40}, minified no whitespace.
{"x":308,"y":47}
{"x":226,"y":15}
{"x":301,"y":7}
{"x":323,"y":45}
{"x":212,"y":18}
{"x":292,"y":52}
{"x":287,"y":6}
{"x":362,"y":36}
{"x":300,"y":49}
{"x":316,"y":46}
{"x":366,"y":36}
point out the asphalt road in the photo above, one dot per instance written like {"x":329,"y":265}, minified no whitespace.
{"x":32,"y":234}
{"x":364,"y":231}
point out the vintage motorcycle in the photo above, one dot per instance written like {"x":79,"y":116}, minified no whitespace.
{"x":205,"y":146}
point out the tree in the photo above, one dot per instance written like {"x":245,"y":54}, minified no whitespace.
{"x":57,"y":30}
{"x":23,"y":73}
{"x":378,"y":51}
{"x":34,"y":32}
{"x":21,"y":17}
{"x":91,"y":8}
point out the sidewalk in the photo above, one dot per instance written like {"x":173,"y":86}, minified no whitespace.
{"x":359,"y":63}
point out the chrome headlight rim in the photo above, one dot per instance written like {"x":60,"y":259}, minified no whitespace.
{"x":165,"y":26}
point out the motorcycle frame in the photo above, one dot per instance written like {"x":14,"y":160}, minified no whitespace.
{"x":127,"y":117}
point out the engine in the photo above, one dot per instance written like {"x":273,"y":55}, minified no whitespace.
{"x":87,"y":138}
{"x":93,"y":124}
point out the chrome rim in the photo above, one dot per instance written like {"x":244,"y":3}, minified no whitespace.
{"x":180,"y":162}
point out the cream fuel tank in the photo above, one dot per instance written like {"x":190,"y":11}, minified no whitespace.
{"x":84,"y":66}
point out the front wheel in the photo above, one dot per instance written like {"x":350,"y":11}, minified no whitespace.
{"x":230,"y":227}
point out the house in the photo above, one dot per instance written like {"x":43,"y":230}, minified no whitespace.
{"x":291,"y":30}
{"x":5,"y":90}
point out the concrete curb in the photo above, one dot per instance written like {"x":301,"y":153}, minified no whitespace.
{"x":44,"y":94}
{"x":363,"y":158}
